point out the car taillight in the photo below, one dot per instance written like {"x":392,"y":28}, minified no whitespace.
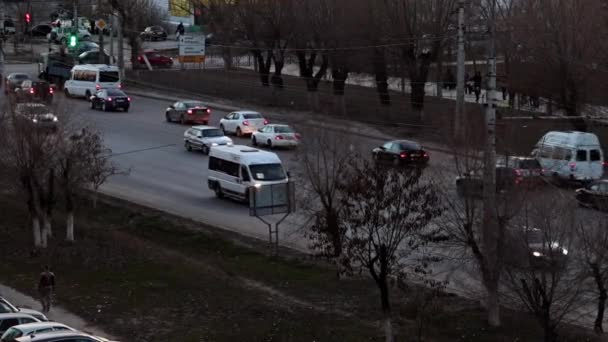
{"x":279,"y":137}
{"x":51,"y":90}
{"x":129,"y":99}
{"x":403,"y":155}
{"x":208,"y":110}
{"x":245,"y":123}
{"x":572,"y":166}
{"x":298,"y":136}
{"x":425,"y":155}
{"x":109,"y":99}
{"x":31,"y":90}
{"x":189,"y":111}
{"x":265,"y":122}
{"x":518,"y":173}
{"x":605,"y":163}
{"x":97,"y":87}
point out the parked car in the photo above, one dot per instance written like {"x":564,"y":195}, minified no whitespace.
{"x":242,"y":122}
{"x":13,"y":81}
{"x":110,"y":99}
{"x":594,"y":195}
{"x":275,"y":136}
{"x":32,"y":329}
{"x":31,"y":91}
{"x":62,"y":336}
{"x":9,"y":320}
{"x":401,"y":153}
{"x":186,"y":111}
{"x":204,"y":137}
{"x":7,"y":307}
{"x":85,"y":46}
{"x":40,"y":30}
{"x":153,"y":33}
{"x":529,"y":247}
{"x":92,"y":57}
{"x":529,"y":169}
{"x":470,"y":184}
{"x":37,"y":115}
{"x":155,"y":59}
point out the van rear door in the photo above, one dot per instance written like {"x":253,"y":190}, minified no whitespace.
{"x":596,"y":163}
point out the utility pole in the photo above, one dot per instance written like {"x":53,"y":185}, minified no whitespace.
{"x":121,"y":59}
{"x":459,"y":117}
{"x":75,"y":21}
{"x":490,"y":229}
{"x":102,"y":55}
{"x":112,"y":28}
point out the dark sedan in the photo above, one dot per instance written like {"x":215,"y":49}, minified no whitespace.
{"x":110,"y":99}
{"x":40,"y":30}
{"x":401,"y":153}
{"x":188,"y":111}
{"x":594,"y":195}
{"x":153,"y":33}
{"x":13,"y":81}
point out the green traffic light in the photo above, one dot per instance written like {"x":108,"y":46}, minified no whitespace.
{"x":73,"y":41}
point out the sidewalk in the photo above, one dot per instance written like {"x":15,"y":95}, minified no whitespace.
{"x":57,"y":313}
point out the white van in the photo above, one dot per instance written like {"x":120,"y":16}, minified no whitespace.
{"x":572,"y":155}
{"x":234,"y":169}
{"x":86,"y":79}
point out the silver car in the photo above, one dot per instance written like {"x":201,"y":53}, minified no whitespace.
{"x":9,"y":320}
{"x":7,"y":307}
{"x":33,"y":329}
{"x":62,"y":336}
{"x":204,"y":137}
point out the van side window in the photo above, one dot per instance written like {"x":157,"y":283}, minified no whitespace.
{"x":595,"y":155}
{"x":581,"y":155}
{"x":546,"y":151}
{"x":244,"y":174}
{"x":224,"y":166}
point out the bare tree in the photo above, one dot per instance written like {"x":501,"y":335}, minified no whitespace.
{"x":538,"y":271}
{"x":592,"y":244}
{"x":386,"y":212}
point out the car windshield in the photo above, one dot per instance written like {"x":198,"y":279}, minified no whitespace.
{"x":6,"y":308}
{"x":116,"y":92}
{"x":283,"y":129}
{"x":32,"y":109}
{"x":109,"y":76}
{"x":252,"y":116}
{"x":20,"y":77}
{"x":210,"y":133}
{"x":11,"y":334}
{"x":194,"y":104}
{"x":267,"y":172}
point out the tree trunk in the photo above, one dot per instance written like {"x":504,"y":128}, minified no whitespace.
{"x":381,"y":76}
{"x":95,"y":198}
{"x":47,"y":226}
{"x":492,"y":303}
{"x":263,"y":66}
{"x":601,"y":304}
{"x":339,"y":74}
{"x":36,"y":231}
{"x":227,"y":57}
{"x":388,"y":328}
{"x":69,"y":235}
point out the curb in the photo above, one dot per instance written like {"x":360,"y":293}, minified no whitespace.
{"x":229,"y":108}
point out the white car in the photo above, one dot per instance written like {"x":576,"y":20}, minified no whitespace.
{"x":275,"y":136}
{"x":7,"y":307}
{"x":204,"y":137}
{"x":242,"y":122}
{"x":33,"y":329}
{"x":9,"y":320}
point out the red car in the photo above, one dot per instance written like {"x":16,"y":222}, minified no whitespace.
{"x":155,"y":59}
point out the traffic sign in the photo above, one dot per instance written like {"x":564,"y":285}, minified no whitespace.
{"x":100,"y":24}
{"x":192,"y":46}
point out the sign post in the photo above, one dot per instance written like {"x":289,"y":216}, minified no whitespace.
{"x":101,"y":25}
{"x":274,"y":199}
{"x":191,"y":49}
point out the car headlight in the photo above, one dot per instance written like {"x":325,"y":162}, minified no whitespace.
{"x":230,"y":143}
{"x":257,"y":185}
{"x":564,"y":251}
{"x":537,"y":254}
{"x":35,"y":120}
{"x":214,"y":144}
{"x":55,"y":119}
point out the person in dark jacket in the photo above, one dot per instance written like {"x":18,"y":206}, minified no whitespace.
{"x":180,"y":30}
{"x":46,"y":287}
{"x":477,"y":85}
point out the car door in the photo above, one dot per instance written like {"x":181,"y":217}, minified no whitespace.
{"x":384,"y":153}
{"x":266,"y":133}
{"x":178,"y":110}
{"x":197,"y":137}
{"x":235,"y":122}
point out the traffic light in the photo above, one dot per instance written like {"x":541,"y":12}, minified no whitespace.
{"x":73,"y":40}
{"x":28,"y":18}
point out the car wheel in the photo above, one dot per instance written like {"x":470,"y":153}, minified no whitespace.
{"x":238,"y":132}
{"x":104,"y":107}
{"x":66,"y":92}
{"x":205,"y":149}
{"x":254,"y":141}
{"x":222,"y":128}
{"x":218,"y":191}
{"x":92,"y":105}
{"x":167,"y":117}
{"x":188,"y":146}
{"x":269,"y":143}
{"x":87,"y":94}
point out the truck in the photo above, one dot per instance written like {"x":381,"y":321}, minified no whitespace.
{"x":55,"y":67}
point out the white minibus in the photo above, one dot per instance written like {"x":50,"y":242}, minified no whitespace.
{"x":572,"y":155}
{"x":86,"y":79}
{"x":234,"y":169}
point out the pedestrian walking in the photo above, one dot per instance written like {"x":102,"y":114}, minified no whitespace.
{"x":46,"y":287}
{"x":179,"y":31}
{"x":477,"y":85}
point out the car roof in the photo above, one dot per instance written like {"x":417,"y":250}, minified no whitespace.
{"x":191,"y":101}
{"x":40,"y":325}
{"x":15,"y":315}
{"x":278,"y":125}
{"x":245,"y":155}
{"x":203,"y":127}
{"x":18,"y":74}
{"x":54,"y":335}
{"x":247,"y":112}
